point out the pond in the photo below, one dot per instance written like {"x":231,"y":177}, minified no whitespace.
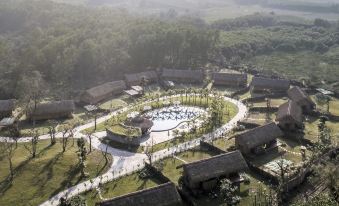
{"x":171,"y":117}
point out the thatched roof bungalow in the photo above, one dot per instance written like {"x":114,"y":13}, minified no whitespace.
{"x":203,"y":174}
{"x":102,"y":92}
{"x":162,"y":195}
{"x":229,"y":79}
{"x":262,"y":84}
{"x":185,"y":76}
{"x":6,"y":107}
{"x":140,"y":122}
{"x":52,"y":110}
{"x":137,"y":78}
{"x":299,"y":96}
{"x":258,"y":139}
{"x":290,"y":116}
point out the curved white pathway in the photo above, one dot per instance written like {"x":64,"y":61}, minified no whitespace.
{"x":125,"y":162}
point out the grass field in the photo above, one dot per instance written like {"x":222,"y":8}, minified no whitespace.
{"x":113,"y":104}
{"x":121,"y":186}
{"x":50,"y":172}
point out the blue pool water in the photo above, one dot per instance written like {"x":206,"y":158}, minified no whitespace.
{"x":168,"y":118}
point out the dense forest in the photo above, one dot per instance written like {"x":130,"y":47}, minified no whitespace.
{"x":75,"y":47}
{"x":70,"y":48}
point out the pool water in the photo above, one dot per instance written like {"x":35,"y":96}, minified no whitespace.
{"x":169,"y":118}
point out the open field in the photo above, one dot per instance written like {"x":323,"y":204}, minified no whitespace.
{"x":50,"y":172}
{"x":121,"y":186}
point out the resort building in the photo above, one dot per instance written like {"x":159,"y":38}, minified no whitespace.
{"x":180,"y":75}
{"x":267,"y":85}
{"x":299,"y":96}
{"x":102,"y":92}
{"x":290,"y":116}
{"x":140,"y":122}
{"x":52,"y":110}
{"x":6,"y":108}
{"x":137,"y":78}
{"x":258,"y":140}
{"x":204,"y":174}
{"x":229,"y":79}
{"x":162,"y":195}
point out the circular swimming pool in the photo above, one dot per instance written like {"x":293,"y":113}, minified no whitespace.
{"x":171,"y":117}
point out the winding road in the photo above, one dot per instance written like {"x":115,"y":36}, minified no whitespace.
{"x":125,"y":162}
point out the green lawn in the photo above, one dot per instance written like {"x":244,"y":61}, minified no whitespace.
{"x":224,"y":144}
{"x":121,"y":186}
{"x":274,"y":103}
{"x":49,"y":173}
{"x":169,"y":169}
{"x":113,"y":104}
{"x":121,"y":130}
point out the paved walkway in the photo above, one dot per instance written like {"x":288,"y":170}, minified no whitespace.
{"x":125,"y":162}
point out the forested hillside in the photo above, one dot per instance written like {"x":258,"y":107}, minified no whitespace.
{"x":72,"y":47}
{"x":75,"y":47}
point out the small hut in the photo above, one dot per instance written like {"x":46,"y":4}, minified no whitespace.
{"x":52,"y":110}
{"x":258,"y":140}
{"x":229,"y":79}
{"x":204,"y":174}
{"x":262,"y":84}
{"x":102,"y":92}
{"x":181,"y":75}
{"x":299,"y":96}
{"x":137,"y":78}
{"x":6,"y":108}
{"x":162,"y":195}
{"x":140,"y":122}
{"x":290,"y":116}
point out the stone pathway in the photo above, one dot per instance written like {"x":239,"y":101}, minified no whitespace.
{"x":125,"y":162}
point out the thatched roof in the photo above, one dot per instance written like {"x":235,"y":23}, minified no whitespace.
{"x":223,"y":78}
{"x":99,"y":93}
{"x":214,"y":167}
{"x":7,"y":106}
{"x":290,"y":110}
{"x":262,"y":83}
{"x":140,"y":122}
{"x":298,"y":95}
{"x":136,"y":78}
{"x":54,"y":108}
{"x":181,"y":74}
{"x":162,"y":195}
{"x":259,"y":136}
